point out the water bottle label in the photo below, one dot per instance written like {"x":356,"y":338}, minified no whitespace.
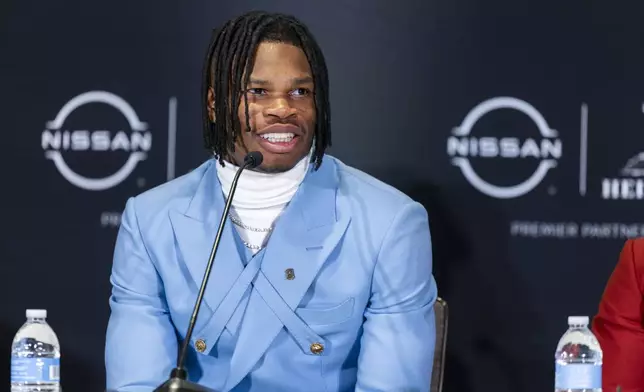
{"x":35,"y":369}
{"x":578,"y":376}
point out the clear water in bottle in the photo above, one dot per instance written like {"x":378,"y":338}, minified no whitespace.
{"x":578,"y":360}
{"x":35,"y":356}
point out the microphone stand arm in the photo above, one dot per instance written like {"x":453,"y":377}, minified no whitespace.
{"x":179,"y":371}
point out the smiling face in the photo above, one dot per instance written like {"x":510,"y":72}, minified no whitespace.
{"x":281,"y":108}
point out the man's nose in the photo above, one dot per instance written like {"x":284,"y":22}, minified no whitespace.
{"x":280,"y":107}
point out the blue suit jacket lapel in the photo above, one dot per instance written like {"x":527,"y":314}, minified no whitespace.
{"x":305,"y":235}
{"x":195,"y":230}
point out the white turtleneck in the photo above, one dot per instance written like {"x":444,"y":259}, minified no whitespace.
{"x":259,"y":199}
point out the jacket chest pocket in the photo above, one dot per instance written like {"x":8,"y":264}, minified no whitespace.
{"x":327,"y":314}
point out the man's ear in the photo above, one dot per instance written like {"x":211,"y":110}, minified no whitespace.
{"x":211,"y":104}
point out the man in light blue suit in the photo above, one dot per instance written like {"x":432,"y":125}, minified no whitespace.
{"x":323,"y":277}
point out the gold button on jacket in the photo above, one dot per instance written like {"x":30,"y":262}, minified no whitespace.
{"x":317,"y":348}
{"x":200,"y":345}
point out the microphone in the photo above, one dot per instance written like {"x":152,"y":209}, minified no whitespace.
{"x":178,"y":377}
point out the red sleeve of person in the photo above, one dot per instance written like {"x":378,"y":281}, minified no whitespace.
{"x":618,"y":324}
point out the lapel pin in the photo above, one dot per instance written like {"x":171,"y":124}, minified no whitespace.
{"x":290,"y":274}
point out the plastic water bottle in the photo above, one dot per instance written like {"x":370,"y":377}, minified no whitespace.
{"x":35,"y":356}
{"x":578,"y":359}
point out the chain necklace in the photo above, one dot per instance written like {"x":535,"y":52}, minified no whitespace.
{"x":239,"y":223}
{"x":246,"y":227}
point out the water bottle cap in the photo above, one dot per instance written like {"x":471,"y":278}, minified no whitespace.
{"x":578,"y":320}
{"x":36,"y":313}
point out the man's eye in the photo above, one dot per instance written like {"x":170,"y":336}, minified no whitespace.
{"x":301,"y":92}
{"x":256,"y":91}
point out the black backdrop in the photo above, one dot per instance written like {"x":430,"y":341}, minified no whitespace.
{"x":561,"y":88}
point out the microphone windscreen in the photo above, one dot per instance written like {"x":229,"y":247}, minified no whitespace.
{"x":253,"y":159}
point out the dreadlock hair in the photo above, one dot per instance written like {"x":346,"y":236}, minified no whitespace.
{"x":227,"y":69}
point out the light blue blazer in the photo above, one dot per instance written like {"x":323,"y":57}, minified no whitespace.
{"x":341,"y":299}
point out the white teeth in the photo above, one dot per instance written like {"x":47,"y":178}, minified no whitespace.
{"x":278,"y":137}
